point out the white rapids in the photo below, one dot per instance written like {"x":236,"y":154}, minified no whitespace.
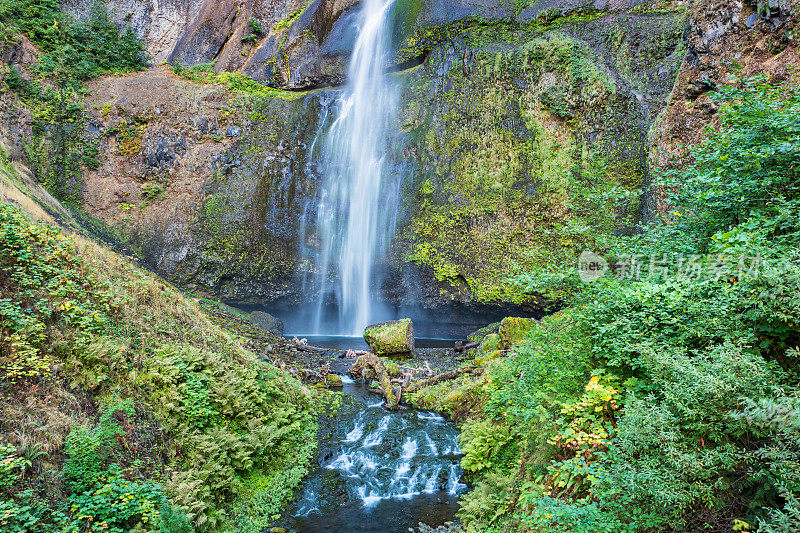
{"x":390,"y":455}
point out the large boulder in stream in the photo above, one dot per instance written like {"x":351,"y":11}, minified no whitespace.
{"x":394,"y":337}
{"x":267,"y":321}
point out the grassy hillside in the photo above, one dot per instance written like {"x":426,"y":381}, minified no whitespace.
{"x":124,"y":407}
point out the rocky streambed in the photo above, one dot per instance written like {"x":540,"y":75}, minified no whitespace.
{"x":376,"y":469}
{"x":379,"y":470}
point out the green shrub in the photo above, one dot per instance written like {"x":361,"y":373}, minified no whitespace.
{"x":745,"y":173}
{"x":89,"y":449}
{"x":208,"y":414}
{"x":75,"y":50}
{"x":255,"y":26}
{"x":552,"y":366}
{"x":487,"y":445}
{"x":706,"y":435}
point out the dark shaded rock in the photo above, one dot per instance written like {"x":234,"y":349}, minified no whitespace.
{"x":267,"y":321}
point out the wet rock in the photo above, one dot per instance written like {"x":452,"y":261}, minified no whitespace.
{"x":333,"y":381}
{"x":391,"y":338}
{"x":267,"y":321}
{"x":514,"y":329}
{"x":448,"y":527}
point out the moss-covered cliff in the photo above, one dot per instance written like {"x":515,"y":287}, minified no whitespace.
{"x":527,"y":142}
{"x":527,"y":133}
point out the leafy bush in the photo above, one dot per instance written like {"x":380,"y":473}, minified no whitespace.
{"x":90,"y":448}
{"x":551,"y":367}
{"x":46,"y":278}
{"x":74,"y":50}
{"x":745,"y":173}
{"x":701,"y":429}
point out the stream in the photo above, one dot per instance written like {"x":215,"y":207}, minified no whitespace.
{"x":380,"y":471}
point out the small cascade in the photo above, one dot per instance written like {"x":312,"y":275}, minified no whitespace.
{"x":380,"y":457}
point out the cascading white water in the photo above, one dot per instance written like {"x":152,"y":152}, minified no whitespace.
{"x":381,"y":470}
{"x":355,"y":212}
{"x":426,"y":461}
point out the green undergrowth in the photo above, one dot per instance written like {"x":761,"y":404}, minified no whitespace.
{"x":668,"y":401}
{"x":124,"y":407}
{"x":235,"y":81}
{"x":73,"y":51}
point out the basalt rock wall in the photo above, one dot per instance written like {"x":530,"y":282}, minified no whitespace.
{"x":525,"y":131}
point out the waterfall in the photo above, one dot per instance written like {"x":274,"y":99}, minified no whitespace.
{"x":356,"y":204}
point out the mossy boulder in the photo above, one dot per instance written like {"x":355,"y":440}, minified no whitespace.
{"x":334,"y":381}
{"x":478,"y":335}
{"x":487,"y":357}
{"x":514,"y":329}
{"x":395,"y":337}
{"x":490,"y":343}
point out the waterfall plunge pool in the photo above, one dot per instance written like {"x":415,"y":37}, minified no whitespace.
{"x":379,"y":471}
{"x":345,"y":342}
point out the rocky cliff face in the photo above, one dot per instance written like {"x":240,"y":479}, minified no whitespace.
{"x":527,"y":130}
{"x":725,"y":40}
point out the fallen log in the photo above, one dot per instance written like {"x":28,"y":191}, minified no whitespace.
{"x":444,"y":376}
{"x":461,"y":347}
{"x":303,"y":346}
{"x":392,"y":394}
{"x":352,"y":354}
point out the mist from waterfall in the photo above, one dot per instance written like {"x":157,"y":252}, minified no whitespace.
{"x":356,"y":205}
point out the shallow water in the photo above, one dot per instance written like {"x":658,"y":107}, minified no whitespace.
{"x":380,"y":471}
{"x":344,"y":342}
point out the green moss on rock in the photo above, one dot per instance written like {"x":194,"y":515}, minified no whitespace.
{"x":490,"y":343}
{"x":527,"y":147}
{"x":514,"y":329}
{"x":391,"y":338}
{"x":333,"y":381}
{"x":476,"y":336}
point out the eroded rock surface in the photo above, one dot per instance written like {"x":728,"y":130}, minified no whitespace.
{"x":509,"y":132}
